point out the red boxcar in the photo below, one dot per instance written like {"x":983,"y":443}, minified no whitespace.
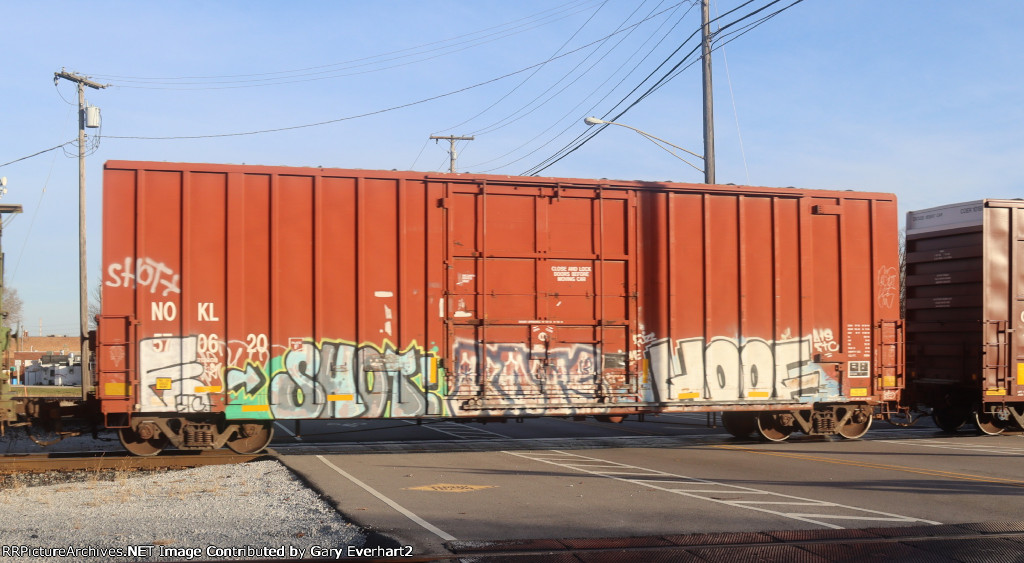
{"x":236,"y":295}
{"x":965,"y":313}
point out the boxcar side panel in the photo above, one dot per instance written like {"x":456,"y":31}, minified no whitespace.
{"x":295,"y":293}
{"x":767,"y":299}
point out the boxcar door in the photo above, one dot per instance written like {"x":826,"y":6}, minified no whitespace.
{"x":540,"y":303}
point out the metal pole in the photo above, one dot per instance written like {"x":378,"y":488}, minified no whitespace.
{"x":4,"y":208}
{"x":709,"y":117}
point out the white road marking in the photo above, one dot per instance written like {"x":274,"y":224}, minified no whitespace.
{"x":401,"y":509}
{"x":986,"y":448}
{"x":706,"y":490}
{"x":285,"y":428}
{"x":461,"y":430}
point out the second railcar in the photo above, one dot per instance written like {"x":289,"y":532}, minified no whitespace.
{"x":234,"y":296}
{"x":965,"y":313}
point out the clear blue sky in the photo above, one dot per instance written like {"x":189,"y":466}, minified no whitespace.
{"x":922,"y":98}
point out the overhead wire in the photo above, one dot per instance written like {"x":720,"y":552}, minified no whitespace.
{"x":419,"y":154}
{"x":391,"y":108}
{"x":38,"y":206}
{"x":327,"y":74}
{"x":527,"y":78}
{"x":57,"y":88}
{"x":589,"y":133}
{"x":735,"y":110}
{"x":677,"y":69}
{"x":572,"y":113}
{"x":512,"y":118}
{"x":44,"y":151}
{"x":141,"y":78}
{"x":717,"y":44}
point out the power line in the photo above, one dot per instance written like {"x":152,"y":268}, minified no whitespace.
{"x":301,"y":75}
{"x":141,"y":78}
{"x":397,"y":107}
{"x":44,"y":151}
{"x":677,"y":69}
{"x":588,"y":134}
{"x":511,"y":118}
{"x":572,"y":114}
{"x":532,"y":74}
{"x":735,"y":111}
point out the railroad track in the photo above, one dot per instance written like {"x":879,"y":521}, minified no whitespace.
{"x":102,"y":460}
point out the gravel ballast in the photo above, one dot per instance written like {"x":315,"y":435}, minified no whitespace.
{"x":246,"y":511}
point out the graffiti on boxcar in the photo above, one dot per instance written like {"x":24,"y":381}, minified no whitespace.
{"x":729,"y":369}
{"x":171,"y":376}
{"x":143,"y":273}
{"x":824,"y":342}
{"x":336,"y":379}
{"x":888,"y":286}
{"x":517,"y":369}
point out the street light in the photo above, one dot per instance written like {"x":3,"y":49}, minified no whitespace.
{"x":651,"y":138}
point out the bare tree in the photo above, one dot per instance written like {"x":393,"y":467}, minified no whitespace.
{"x":12,"y":308}
{"x":903,"y":274}
{"x":95,"y":304}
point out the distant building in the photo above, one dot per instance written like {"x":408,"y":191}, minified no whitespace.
{"x":44,"y":360}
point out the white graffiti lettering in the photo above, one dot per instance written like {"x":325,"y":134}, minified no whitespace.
{"x":143,"y":273}
{"x":724,"y":369}
{"x":170,"y":376}
{"x":888,"y":286}
{"x":824,"y":342}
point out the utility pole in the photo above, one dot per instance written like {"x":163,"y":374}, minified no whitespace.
{"x":6,"y":331}
{"x":709,"y":114}
{"x":451,"y":152}
{"x":83,"y":291}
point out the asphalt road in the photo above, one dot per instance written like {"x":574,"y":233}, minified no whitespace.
{"x":425,"y":485}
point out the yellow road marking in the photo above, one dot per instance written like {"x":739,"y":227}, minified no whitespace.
{"x":450,"y":488}
{"x":931,"y":472}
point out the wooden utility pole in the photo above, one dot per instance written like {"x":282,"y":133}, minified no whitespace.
{"x":451,"y":152}
{"x":709,"y":114}
{"x":83,"y":292}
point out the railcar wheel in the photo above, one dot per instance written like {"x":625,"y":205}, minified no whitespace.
{"x":857,"y":425}
{"x":137,"y":445}
{"x":771,"y":427}
{"x":948,"y":420}
{"x":739,"y":424}
{"x":251,"y":438}
{"x":988,"y":424}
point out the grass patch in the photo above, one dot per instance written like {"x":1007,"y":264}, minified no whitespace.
{"x":46,"y":391}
